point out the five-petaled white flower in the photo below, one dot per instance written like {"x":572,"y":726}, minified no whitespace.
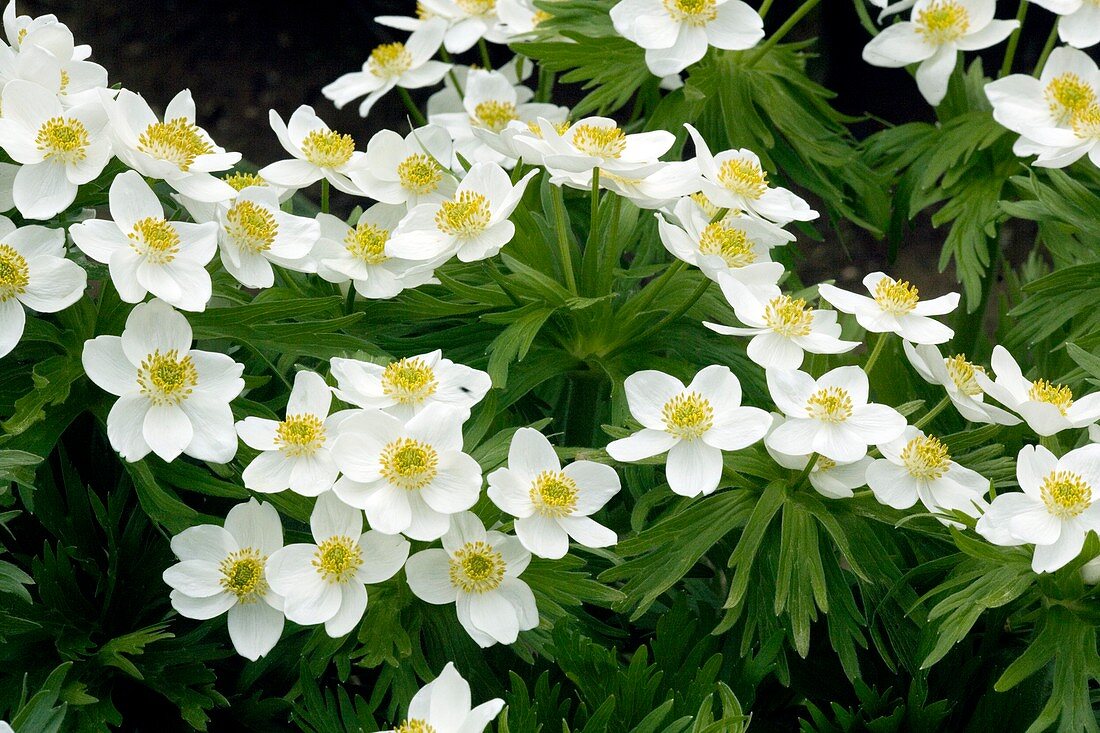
{"x":552,"y":504}
{"x":694,"y":424}
{"x":48,"y":56}
{"x":1046,"y":407}
{"x":956,"y":375}
{"x":829,"y":416}
{"x":33,"y":273}
{"x":59,"y":149}
{"x":146,"y":252}
{"x":677,"y":33}
{"x":894,"y":307}
{"x":222,"y":569}
{"x":325,"y":581}
{"x":933,"y":36}
{"x":443,"y":706}
{"x":830,"y":479}
{"x":479,"y":572}
{"x":408,"y":170}
{"x":316,"y":152}
{"x":467,"y":22}
{"x":1056,"y":509}
{"x":1079,"y":24}
{"x":596,"y":142}
{"x":172,"y":399}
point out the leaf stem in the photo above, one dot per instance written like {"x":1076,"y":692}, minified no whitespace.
{"x":414,"y":111}
{"x":804,"y":476}
{"x":764,"y":8}
{"x":595,"y":205}
{"x":1052,"y":40}
{"x":783,"y":30}
{"x":565,"y":250}
{"x":1014,"y":41}
{"x":324,"y":195}
{"x":669,"y":318}
{"x":931,"y":414}
{"x":880,"y":344}
{"x":349,"y":303}
{"x":483,"y":47}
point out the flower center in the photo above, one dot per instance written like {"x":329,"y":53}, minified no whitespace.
{"x":943,"y":22}
{"x":415,"y":725}
{"x":824,"y":464}
{"x":243,"y":575}
{"x":599,"y":142}
{"x":1066,"y":494}
{"x":1086,"y":123}
{"x":156,"y":239}
{"x":63,"y":139}
{"x":708,"y":207}
{"x":390,"y":60}
{"x":494,"y":115}
{"x":300,"y":435}
{"x":14,"y":273}
{"x":477,"y":7}
{"x":1058,"y":395}
{"x":962,"y":374}
{"x":1068,"y":95}
{"x":168,"y":378}
{"x":409,"y":380}
{"x":419,"y":173}
{"x":251,"y":226}
{"x":788,"y":316}
{"x":688,"y":415}
{"x":367,"y":242}
{"x":409,"y":464}
{"x":830,"y":404}
{"x":177,"y":141}
{"x":692,"y":12}
{"x":476,"y":568}
{"x":896,"y":297}
{"x":239,"y":181}
{"x":328,"y":148}
{"x":337,"y":558}
{"x":732,"y":245}
{"x":554,"y":494}
{"x":926,"y":458}
{"x":465,"y":217}
{"x":744,"y":177}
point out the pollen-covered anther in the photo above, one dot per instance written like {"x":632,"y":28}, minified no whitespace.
{"x":962,"y":373}
{"x":477,"y":568}
{"x":243,"y":575}
{"x":419,"y":173}
{"x":943,"y":21}
{"x":409,"y":464}
{"x":300,"y":435}
{"x":1058,"y":395}
{"x":156,"y":239}
{"x":1068,"y":96}
{"x":328,"y":148}
{"x":830,"y":404}
{"x":692,"y":12}
{"x":14,"y":273}
{"x":494,"y":115}
{"x":64,"y":139}
{"x":599,"y":141}
{"x":731,"y":244}
{"x":743,"y":176}
{"x":788,"y":316}
{"x":1066,"y":494}
{"x":926,"y":457}
{"x":409,"y":380}
{"x":390,"y":60}
{"x":177,"y":141}
{"x":554,"y":494}
{"x":251,"y":226}
{"x":167,"y":378}
{"x":338,"y":558}
{"x":367,"y":242}
{"x":466,"y":216}
{"x":688,"y":415}
{"x":896,"y":297}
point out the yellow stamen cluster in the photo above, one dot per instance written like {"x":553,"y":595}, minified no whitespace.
{"x":1058,"y":395}
{"x":830,"y":404}
{"x":15,"y":275}
{"x":943,"y":21}
{"x":744,"y":177}
{"x":390,"y":60}
{"x":168,"y":378}
{"x":337,"y":558}
{"x":554,"y":494}
{"x":367,"y":242}
{"x":824,"y":464}
{"x":1065,"y":494}
{"x":409,"y":464}
{"x":896,"y":297}
{"x":251,"y":226}
{"x":243,"y":575}
{"x":419,"y":173}
{"x":300,"y":435}
{"x":409,"y":380}
{"x":328,"y":148}
{"x":495,"y":115}
{"x":465,"y":217}
{"x":476,"y":568}
{"x":731,"y":244}
{"x":239,"y":181}
{"x":708,"y":207}
{"x":177,"y":141}
{"x":688,"y":415}
{"x":692,"y":12}
{"x":599,"y":141}
{"x":64,"y":139}
{"x":414,"y":725}
{"x":926,"y":458}
{"x":1086,"y":123}
{"x":477,"y":7}
{"x":1068,"y":96}
{"x":962,"y":374}
{"x":156,"y":239}
{"x":788,"y":316}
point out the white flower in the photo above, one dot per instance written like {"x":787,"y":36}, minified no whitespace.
{"x":735,"y":180}
{"x":519,"y":18}
{"x":694,"y":424}
{"x":653,"y":186}
{"x":830,"y":479}
{"x":324,"y":581}
{"x":408,"y":170}
{"x":479,"y":572}
{"x":18,"y":28}
{"x":1046,"y":407}
{"x":222,"y":569}
{"x":360,"y":254}
{"x":443,"y":706}
{"x":598,"y":142}
{"x":782,"y":327}
{"x":407,"y":65}
{"x":829,"y":416}
{"x":552,"y":504}
{"x":316,"y":152}
{"x":203,"y":211}
{"x":956,"y":375}
{"x":916,"y":467}
{"x":406,"y":386}
{"x":146,"y":252}
{"x":175,"y":150}
{"x":410,"y":476}
{"x":473,"y":225}
{"x":677,"y":33}
{"x":1055,"y":510}
{"x":33,"y":273}
{"x":59,"y":149}
{"x":47,"y":56}
{"x":889,"y":8}
{"x":448,"y":99}
{"x":172,"y":399}
{"x":468,"y":21}
{"x":1079,"y":24}
{"x":934,"y":35}
{"x":5,"y":728}
{"x":894,"y":307}
{"x":296,"y":451}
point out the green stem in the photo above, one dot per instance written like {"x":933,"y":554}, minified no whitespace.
{"x":880,"y":344}
{"x":719,"y":215}
{"x":931,"y":414}
{"x":546,"y":85}
{"x":656,"y":286}
{"x":595,"y":205}
{"x":1014,"y":41}
{"x":414,"y":111}
{"x":865,"y":17}
{"x":669,"y":318}
{"x":324,"y":195}
{"x":565,"y":250}
{"x":1052,"y":40}
{"x":349,"y":303}
{"x":483,"y":47}
{"x":804,"y":476}
{"x":764,"y":8}
{"x":1051,"y":443}
{"x":784,"y":29}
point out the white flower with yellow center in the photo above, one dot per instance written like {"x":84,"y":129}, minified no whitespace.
{"x":295,"y":451}
{"x":172,"y":399}
{"x":408,"y":65}
{"x":956,"y":375}
{"x":203,"y":211}
{"x":1047,"y":407}
{"x":735,"y":180}
{"x":693,"y":423}
{"x":33,"y":273}
{"x":18,"y":28}
{"x":552,"y":504}
{"x":598,"y":142}
{"x":408,"y":170}
{"x":1079,"y":21}
{"x":478,"y":571}
{"x":933,"y":36}
{"x":829,"y":416}
{"x":466,"y":22}
{"x":473,"y":225}
{"x":222,"y":570}
{"x":59,"y":149}
{"x":316,"y":152}
{"x":360,"y":254}
{"x":520,"y":18}
{"x":894,"y":307}
{"x":830,"y":479}
{"x":1058,"y":507}
{"x":408,"y":385}
{"x":676,"y":33}
{"x":917,"y":467}
{"x":410,"y":476}
{"x":443,"y":706}
{"x":325,"y":581}
{"x":48,"y":56}
{"x":174,"y":149}
{"x":782,"y":328}
{"x":146,"y":252}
